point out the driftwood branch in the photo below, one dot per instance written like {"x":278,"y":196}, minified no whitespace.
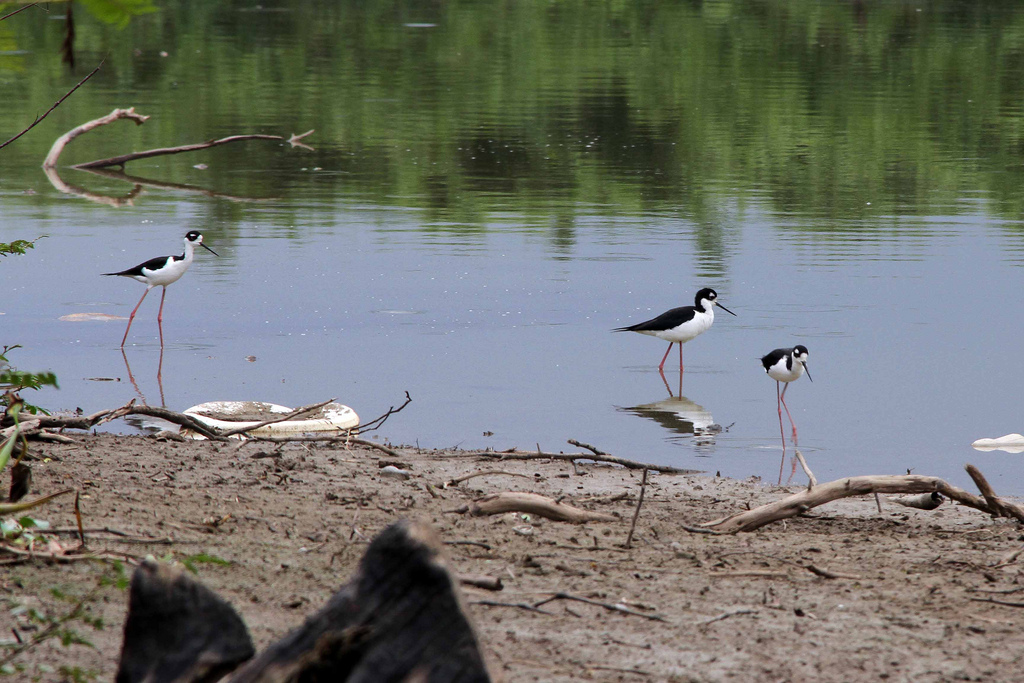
{"x":532,"y":503}
{"x":55,"y":104}
{"x":63,"y":140}
{"x":573,"y":457}
{"x":803,"y":501}
{"x":123,"y":159}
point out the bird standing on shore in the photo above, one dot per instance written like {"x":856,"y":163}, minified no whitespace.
{"x":786,"y":365}
{"x":162,"y":271}
{"x":680,"y":325}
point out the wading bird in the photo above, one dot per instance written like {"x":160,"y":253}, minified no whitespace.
{"x":786,"y":365}
{"x":680,"y":325}
{"x":162,"y":271}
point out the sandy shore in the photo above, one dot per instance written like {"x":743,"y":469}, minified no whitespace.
{"x":291,"y":522}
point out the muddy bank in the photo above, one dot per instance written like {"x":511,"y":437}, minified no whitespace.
{"x":277,"y":530}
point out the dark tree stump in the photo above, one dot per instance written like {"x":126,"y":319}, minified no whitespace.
{"x":178,"y":630}
{"x":399,"y":619}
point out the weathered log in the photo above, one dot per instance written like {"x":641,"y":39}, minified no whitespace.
{"x":178,"y":630}
{"x":399,"y":619}
{"x":532,"y":503}
{"x":801,"y":502}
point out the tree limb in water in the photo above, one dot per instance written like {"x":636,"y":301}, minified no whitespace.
{"x":117,"y":114}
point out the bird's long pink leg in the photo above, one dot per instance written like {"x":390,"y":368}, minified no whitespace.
{"x":782,"y":398}
{"x":159,"y":376}
{"x":661,"y":367}
{"x":680,"y":369}
{"x":132,"y":316}
{"x":160,"y":318}
{"x":782,"y":433}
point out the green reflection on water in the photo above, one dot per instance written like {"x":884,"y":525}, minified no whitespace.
{"x":465,"y":110}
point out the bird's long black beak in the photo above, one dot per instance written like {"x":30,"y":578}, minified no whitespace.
{"x":724,"y":308}
{"x":808,"y":371}
{"x":209,"y":250}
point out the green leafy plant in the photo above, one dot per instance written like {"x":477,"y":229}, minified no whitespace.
{"x":18,"y":246}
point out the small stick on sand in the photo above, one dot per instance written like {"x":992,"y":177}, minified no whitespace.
{"x":621,"y":609}
{"x":726,"y":615}
{"x":485,"y":473}
{"x":636,"y":513}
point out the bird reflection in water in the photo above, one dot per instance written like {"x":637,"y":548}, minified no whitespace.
{"x":159,"y":378}
{"x":682,"y":416}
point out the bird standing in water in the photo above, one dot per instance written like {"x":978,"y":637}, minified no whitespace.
{"x":786,"y":365}
{"x":680,"y":325}
{"x":162,"y":271}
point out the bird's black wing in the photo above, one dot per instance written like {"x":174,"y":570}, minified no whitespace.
{"x":151,"y":264}
{"x":665,"y":321}
{"x":773,"y":357}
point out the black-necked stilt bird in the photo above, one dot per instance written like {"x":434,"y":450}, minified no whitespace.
{"x":682,"y":324}
{"x":160,"y":272}
{"x":786,"y":365}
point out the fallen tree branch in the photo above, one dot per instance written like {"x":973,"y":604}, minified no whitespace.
{"x":592,"y":449}
{"x":123,"y":159}
{"x":55,"y":104}
{"x":801,"y":502}
{"x":180,"y":419}
{"x":572,"y":457}
{"x":531,"y":503}
{"x":78,"y":421}
{"x":63,"y":140}
{"x":1000,"y":506}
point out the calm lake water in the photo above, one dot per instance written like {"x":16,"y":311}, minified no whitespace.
{"x":494,"y":186}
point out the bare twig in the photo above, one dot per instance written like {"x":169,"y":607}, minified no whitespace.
{"x":726,"y":615}
{"x":485,"y":473}
{"x":592,"y":449}
{"x":518,"y":605}
{"x":55,"y":105}
{"x":636,"y":513}
{"x":20,"y":9}
{"x":621,"y":609}
{"x":377,"y":422}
